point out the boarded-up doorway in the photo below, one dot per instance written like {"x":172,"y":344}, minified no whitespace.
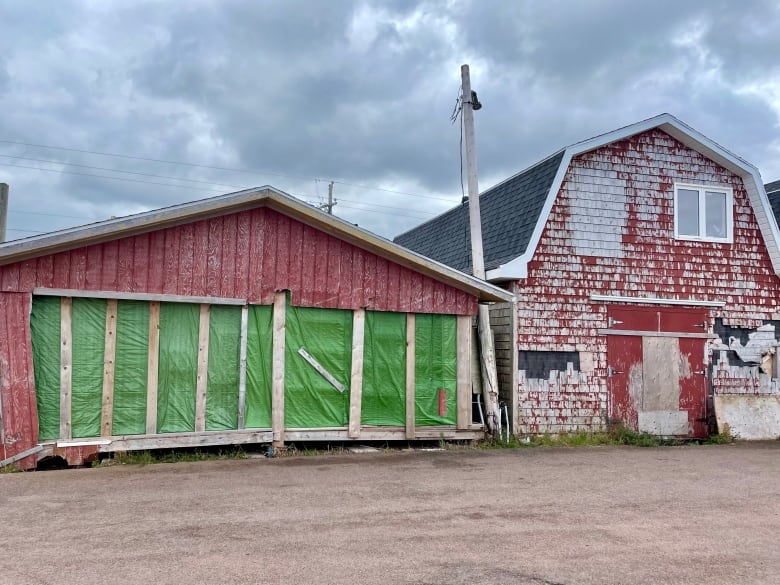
{"x":656,"y":375}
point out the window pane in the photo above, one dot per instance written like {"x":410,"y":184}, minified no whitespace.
{"x":715,"y":214}
{"x":687,"y":212}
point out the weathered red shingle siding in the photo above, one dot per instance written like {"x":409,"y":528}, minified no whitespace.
{"x":611,"y":232}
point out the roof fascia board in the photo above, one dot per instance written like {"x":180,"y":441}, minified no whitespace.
{"x":517,"y":268}
{"x":372,"y":243}
{"x":265,"y":196}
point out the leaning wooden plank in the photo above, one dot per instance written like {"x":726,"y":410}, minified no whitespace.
{"x":410,"y":364}
{"x":22,"y":455}
{"x":356,"y":379}
{"x":66,"y":363}
{"x":321,"y":370}
{"x":183,"y":440}
{"x":152,"y":367}
{"x":203,"y":369}
{"x":277,"y":368}
{"x":464,"y":371}
{"x":134,"y":296}
{"x":242,"y":367}
{"x":109,"y":358}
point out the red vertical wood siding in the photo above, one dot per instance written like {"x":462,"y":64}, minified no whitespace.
{"x":250,"y":254}
{"x":20,"y":413}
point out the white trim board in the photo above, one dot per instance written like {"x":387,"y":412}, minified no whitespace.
{"x":656,"y":301}
{"x":517,"y":268}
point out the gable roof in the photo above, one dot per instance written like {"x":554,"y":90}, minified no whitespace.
{"x":518,"y":187}
{"x":508,"y":210}
{"x":112,"y":229}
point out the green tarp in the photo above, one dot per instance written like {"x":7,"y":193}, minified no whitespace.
{"x":130,"y":368}
{"x":178,"y":367}
{"x":89,"y":340}
{"x":45,"y":326}
{"x":310,"y":401}
{"x":435,"y":368}
{"x":384,"y":369}
{"x":259,"y":356}
{"x":223,"y":368}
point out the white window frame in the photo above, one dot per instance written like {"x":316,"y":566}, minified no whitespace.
{"x":702,"y":189}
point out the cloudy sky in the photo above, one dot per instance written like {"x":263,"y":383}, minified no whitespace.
{"x":298,"y":93}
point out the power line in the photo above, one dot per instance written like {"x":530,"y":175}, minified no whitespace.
{"x":216,"y":168}
{"x":111,"y":170}
{"x":385,"y":212}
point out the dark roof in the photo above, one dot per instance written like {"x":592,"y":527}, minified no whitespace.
{"x":773,"y":194}
{"x":509,"y":211}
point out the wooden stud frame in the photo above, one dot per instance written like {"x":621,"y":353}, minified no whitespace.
{"x":356,"y":380}
{"x":66,"y":364}
{"x":203,"y":367}
{"x":109,"y":359}
{"x":152,"y":367}
{"x":464,"y":396}
{"x":410,"y":364}
{"x":277,"y":368}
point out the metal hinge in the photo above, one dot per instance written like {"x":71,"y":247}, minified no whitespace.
{"x":701,"y":372}
{"x":611,"y":371}
{"x":611,"y":322}
{"x":703,"y":325}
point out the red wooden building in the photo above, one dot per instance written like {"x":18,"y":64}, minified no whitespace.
{"x":645,"y":268}
{"x":250,"y":317}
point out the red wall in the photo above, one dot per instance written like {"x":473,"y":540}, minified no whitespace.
{"x":611,"y":232}
{"x":249,"y":255}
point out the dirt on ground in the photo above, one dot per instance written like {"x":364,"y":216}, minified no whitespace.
{"x":575,"y":516}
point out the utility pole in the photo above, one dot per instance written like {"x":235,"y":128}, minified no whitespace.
{"x":330,"y":204}
{"x":3,"y":210}
{"x":487,"y":351}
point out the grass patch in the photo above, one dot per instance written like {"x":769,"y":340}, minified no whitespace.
{"x":13,"y":468}
{"x":175,"y":456}
{"x":616,"y":434}
{"x":725,"y":437}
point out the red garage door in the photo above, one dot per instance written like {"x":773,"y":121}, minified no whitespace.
{"x":657,"y":379}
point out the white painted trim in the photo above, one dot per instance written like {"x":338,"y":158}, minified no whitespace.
{"x":84,"y":443}
{"x":656,"y":301}
{"x":517,"y":268}
{"x":125,"y":296}
{"x":702,"y":190}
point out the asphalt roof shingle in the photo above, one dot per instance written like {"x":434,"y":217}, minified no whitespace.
{"x":773,"y":194}
{"x":509,"y":211}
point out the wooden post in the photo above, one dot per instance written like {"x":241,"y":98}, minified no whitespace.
{"x":490,"y":378}
{"x":356,"y":380}
{"x":242,"y":367}
{"x":3,"y":210}
{"x":514,"y":397}
{"x":277,"y":369}
{"x":203,"y":367}
{"x":464,"y":372}
{"x":152,"y":362}
{"x":109,"y":357}
{"x":410,"y":364}
{"x":66,"y":363}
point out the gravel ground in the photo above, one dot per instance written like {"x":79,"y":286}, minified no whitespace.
{"x":574,"y":516}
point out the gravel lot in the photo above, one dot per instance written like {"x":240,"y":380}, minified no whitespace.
{"x":597,"y":515}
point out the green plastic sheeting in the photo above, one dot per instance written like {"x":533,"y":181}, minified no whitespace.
{"x":223,"y":369}
{"x":178,"y":367}
{"x":45,"y":327}
{"x":89,"y":340}
{"x":310,"y":401}
{"x":259,"y":357}
{"x":436,"y":359}
{"x":130,"y":368}
{"x":384,"y":369}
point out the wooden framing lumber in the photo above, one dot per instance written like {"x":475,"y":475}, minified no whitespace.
{"x":152,"y":364}
{"x":410,"y":365}
{"x":109,"y":359}
{"x":312,"y":361}
{"x":66,"y":365}
{"x":135,"y":296}
{"x":242,"y":367}
{"x":464,"y":395}
{"x":356,"y":379}
{"x":203,"y":367}
{"x":277,"y":368}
